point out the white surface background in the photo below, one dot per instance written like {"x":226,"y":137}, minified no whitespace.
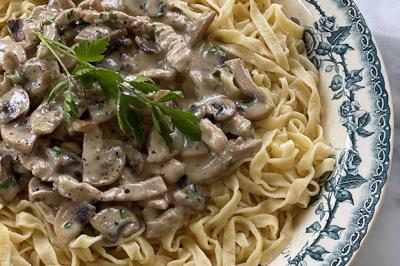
{"x":382,"y":247}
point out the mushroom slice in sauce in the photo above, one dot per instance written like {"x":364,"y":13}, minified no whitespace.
{"x":46,"y":118}
{"x":238,"y":125}
{"x":9,"y":186}
{"x":193,"y":149}
{"x":13,"y":105}
{"x":212,"y":135}
{"x":93,"y":32}
{"x":163,"y":224}
{"x":115,"y":222}
{"x":142,"y":190}
{"x":102,"y":111}
{"x":198,"y":29}
{"x":71,"y":188}
{"x":259,"y":108}
{"x":147,"y":46}
{"x":103,"y":162}
{"x":220,"y":107}
{"x":19,"y":135}
{"x":158,"y":150}
{"x":15,"y":28}
{"x":192,"y":197}
{"x":40,"y":191}
{"x":158,"y":204}
{"x":172,"y":171}
{"x":134,"y":158}
{"x":155,"y":8}
{"x":70,"y":220}
{"x":12,"y":55}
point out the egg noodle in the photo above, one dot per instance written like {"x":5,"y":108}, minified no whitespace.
{"x":250,"y":215}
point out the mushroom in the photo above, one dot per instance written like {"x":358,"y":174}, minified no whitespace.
{"x":15,"y":28}
{"x":158,"y":203}
{"x":93,"y":32}
{"x":209,"y":168}
{"x":115,"y":222}
{"x":39,"y":75}
{"x":40,"y":191}
{"x":103,"y":161}
{"x":166,"y":75}
{"x":155,"y":8}
{"x":70,"y":220}
{"x":13,"y":105}
{"x":102,"y":111}
{"x":239,"y":126}
{"x":46,"y":118}
{"x":193,"y":149}
{"x":172,"y":171}
{"x":212,"y":135}
{"x":158,"y":150}
{"x":142,"y":190}
{"x":163,"y":224}
{"x":134,"y":158}
{"x":147,"y":46}
{"x":198,"y":29}
{"x":9,"y":186}
{"x":83,"y":126}
{"x":19,"y":135}
{"x":191,"y":196}
{"x":71,"y":188}
{"x":220,"y":107}
{"x":13,"y":57}
{"x":259,"y":108}
{"x":198,"y":109}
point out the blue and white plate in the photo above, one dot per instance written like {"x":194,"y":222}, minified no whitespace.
{"x":357,"y":118}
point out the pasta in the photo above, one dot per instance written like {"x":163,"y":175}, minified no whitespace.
{"x":249,"y":218}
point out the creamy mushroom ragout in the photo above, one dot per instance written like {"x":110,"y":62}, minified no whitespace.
{"x":119,"y":115}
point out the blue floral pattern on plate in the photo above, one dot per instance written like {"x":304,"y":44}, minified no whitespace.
{"x":327,"y":47}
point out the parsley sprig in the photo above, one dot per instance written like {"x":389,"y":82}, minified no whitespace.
{"x":130,"y":95}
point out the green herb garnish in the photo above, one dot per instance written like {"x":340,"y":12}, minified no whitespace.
{"x":130,"y":95}
{"x":57,"y":151}
{"x":217,"y":50}
{"x":67,"y":225}
{"x":8,"y":182}
{"x":122,"y":214}
{"x":112,"y":17}
{"x":217,"y":74}
{"x":48,"y":22}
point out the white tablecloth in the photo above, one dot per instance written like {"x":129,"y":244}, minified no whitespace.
{"x":382,"y":247}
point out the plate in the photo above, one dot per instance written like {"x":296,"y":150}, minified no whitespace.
{"x":357,"y":119}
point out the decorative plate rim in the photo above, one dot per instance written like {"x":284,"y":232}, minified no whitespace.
{"x":345,"y":251}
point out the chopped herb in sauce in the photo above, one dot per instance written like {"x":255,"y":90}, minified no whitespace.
{"x":68,"y":225}
{"x":57,"y":151}
{"x":122,"y":214}
{"x":112,"y":17}
{"x":217,"y":50}
{"x":70,"y":14}
{"x":48,"y":22}
{"x":217,"y":74}
{"x":8,"y":182}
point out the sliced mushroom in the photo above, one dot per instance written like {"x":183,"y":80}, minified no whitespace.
{"x":147,"y":46}
{"x":70,"y":220}
{"x":142,"y":190}
{"x":15,"y":28}
{"x":93,"y":32}
{"x":259,"y":108}
{"x":46,"y":118}
{"x":240,"y":149}
{"x":134,"y":158}
{"x":166,"y":75}
{"x":220,"y":107}
{"x":198,"y":109}
{"x":102,"y":111}
{"x":39,"y":75}
{"x":172,"y":171}
{"x":167,"y":221}
{"x":198,"y":29}
{"x":193,"y":149}
{"x":115,"y":222}
{"x":155,"y":8}
{"x":19,"y":135}
{"x":212,"y":135}
{"x":192,"y":197}
{"x":9,"y":186}
{"x":158,"y":150}
{"x":158,"y":203}
{"x":239,"y":126}
{"x":13,"y":105}
{"x":40,"y":191}
{"x":83,"y":126}
{"x":13,"y":57}
{"x":103,"y":162}
{"x":71,"y":188}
